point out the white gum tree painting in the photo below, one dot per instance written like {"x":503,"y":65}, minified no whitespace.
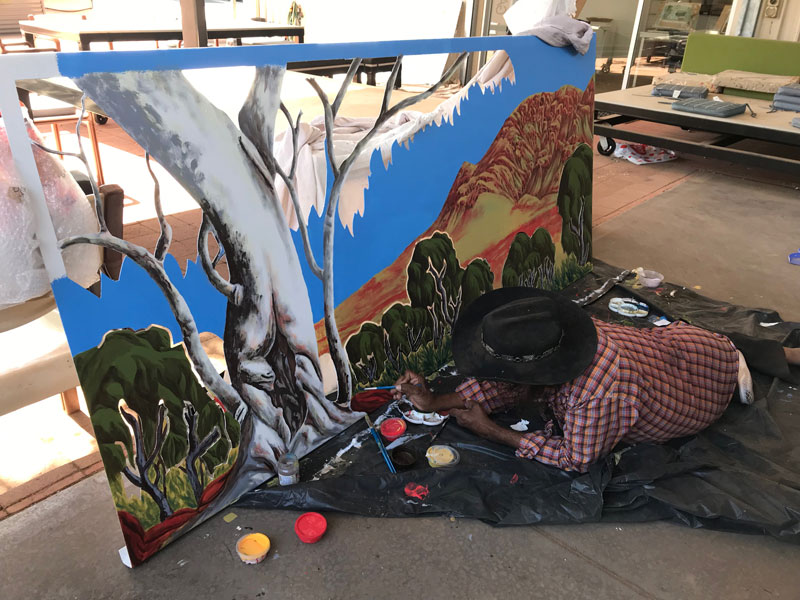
{"x":276,"y":388}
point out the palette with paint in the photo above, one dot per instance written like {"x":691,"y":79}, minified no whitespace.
{"x":423,"y":418}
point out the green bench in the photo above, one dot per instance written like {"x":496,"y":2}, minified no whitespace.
{"x":710,"y":54}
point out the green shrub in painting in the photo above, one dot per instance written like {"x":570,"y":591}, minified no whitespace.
{"x":531,"y":260}
{"x":575,"y":204}
{"x":416,"y":336}
{"x":154,"y":423}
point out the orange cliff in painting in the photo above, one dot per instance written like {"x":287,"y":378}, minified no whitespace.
{"x":512,"y":188}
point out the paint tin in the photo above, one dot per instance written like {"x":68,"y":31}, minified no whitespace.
{"x":403,"y":458}
{"x":310,"y":527}
{"x":391,"y":429}
{"x":442,"y":456}
{"x":252,"y":548}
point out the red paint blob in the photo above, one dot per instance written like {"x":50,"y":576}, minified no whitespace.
{"x":415,"y":490}
{"x":514,"y":478}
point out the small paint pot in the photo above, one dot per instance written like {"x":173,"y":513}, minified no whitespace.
{"x":403,"y":458}
{"x":310,"y":527}
{"x":391,"y":429}
{"x":649,"y":279}
{"x":252,"y":548}
{"x":442,"y":456}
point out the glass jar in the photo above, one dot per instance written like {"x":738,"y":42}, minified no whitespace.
{"x":288,"y":469}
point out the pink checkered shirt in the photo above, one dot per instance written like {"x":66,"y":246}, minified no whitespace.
{"x":644,"y":385}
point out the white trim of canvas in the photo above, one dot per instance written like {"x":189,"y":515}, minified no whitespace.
{"x":29,"y":66}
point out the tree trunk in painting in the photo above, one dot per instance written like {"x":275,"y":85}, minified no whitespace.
{"x":269,"y":339}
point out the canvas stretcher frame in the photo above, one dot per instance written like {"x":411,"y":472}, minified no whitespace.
{"x":575,"y":73}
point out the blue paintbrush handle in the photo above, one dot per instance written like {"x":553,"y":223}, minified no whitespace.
{"x":383,"y":450}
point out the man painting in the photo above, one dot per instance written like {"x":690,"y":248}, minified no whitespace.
{"x":605,"y":383}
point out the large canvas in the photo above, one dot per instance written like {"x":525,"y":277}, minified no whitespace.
{"x":331,"y":285}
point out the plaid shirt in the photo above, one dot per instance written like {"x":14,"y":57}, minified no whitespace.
{"x":643,"y":385}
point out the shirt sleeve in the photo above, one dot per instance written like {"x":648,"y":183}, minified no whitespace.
{"x":493,"y":396}
{"x":591,"y":430}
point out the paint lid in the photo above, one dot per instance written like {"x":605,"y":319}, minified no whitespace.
{"x":393,"y":428}
{"x":310,"y":527}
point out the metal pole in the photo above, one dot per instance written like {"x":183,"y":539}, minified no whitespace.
{"x":193,"y":23}
{"x":632,"y":47}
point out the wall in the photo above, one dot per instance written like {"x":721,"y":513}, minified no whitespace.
{"x":623,"y":12}
{"x":786,"y":27}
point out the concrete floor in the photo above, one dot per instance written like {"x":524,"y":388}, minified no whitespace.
{"x":730,"y":236}
{"x":65,"y":548}
{"x":702,"y":228}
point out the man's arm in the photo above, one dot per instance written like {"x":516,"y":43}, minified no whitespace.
{"x":415,"y":388}
{"x":492,"y":396}
{"x":591,"y":430}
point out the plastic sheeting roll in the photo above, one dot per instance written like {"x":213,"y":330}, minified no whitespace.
{"x":22,"y":272}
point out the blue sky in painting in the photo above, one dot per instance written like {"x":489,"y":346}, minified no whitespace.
{"x":400,"y":203}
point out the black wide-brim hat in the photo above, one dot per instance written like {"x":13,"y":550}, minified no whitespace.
{"x":524,"y":335}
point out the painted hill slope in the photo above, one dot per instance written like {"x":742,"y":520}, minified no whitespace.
{"x":512,"y":188}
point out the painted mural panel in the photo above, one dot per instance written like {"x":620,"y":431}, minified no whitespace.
{"x":330,"y":286}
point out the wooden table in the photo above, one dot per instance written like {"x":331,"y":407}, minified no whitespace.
{"x":58,"y":27}
{"x":624,"y":107}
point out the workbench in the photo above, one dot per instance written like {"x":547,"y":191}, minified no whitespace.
{"x":616,"y":111}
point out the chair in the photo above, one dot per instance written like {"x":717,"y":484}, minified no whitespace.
{"x":11,"y":38}
{"x":29,"y":379}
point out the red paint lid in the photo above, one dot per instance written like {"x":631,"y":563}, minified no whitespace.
{"x":310,"y":527}
{"x":392,"y":428}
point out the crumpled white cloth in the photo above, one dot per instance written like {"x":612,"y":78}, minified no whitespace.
{"x":563,"y":30}
{"x":642,"y":154}
{"x":311,"y":174}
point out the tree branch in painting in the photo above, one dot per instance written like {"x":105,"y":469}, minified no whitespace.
{"x":144,"y":458}
{"x":340,"y":172}
{"x":197,"y":448}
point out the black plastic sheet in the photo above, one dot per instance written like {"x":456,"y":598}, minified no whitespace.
{"x":741,"y":474}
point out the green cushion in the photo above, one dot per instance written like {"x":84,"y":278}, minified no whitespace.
{"x":748,"y":94}
{"x":710,"y":54}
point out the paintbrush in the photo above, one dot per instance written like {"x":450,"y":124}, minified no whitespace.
{"x":441,"y":429}
{"x":381,"y":447}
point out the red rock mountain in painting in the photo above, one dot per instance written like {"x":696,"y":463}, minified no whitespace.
{"x":512,"y":188}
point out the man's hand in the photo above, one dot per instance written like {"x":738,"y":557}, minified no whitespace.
{"x":415,"y":388}
{"x":475,"y":419}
